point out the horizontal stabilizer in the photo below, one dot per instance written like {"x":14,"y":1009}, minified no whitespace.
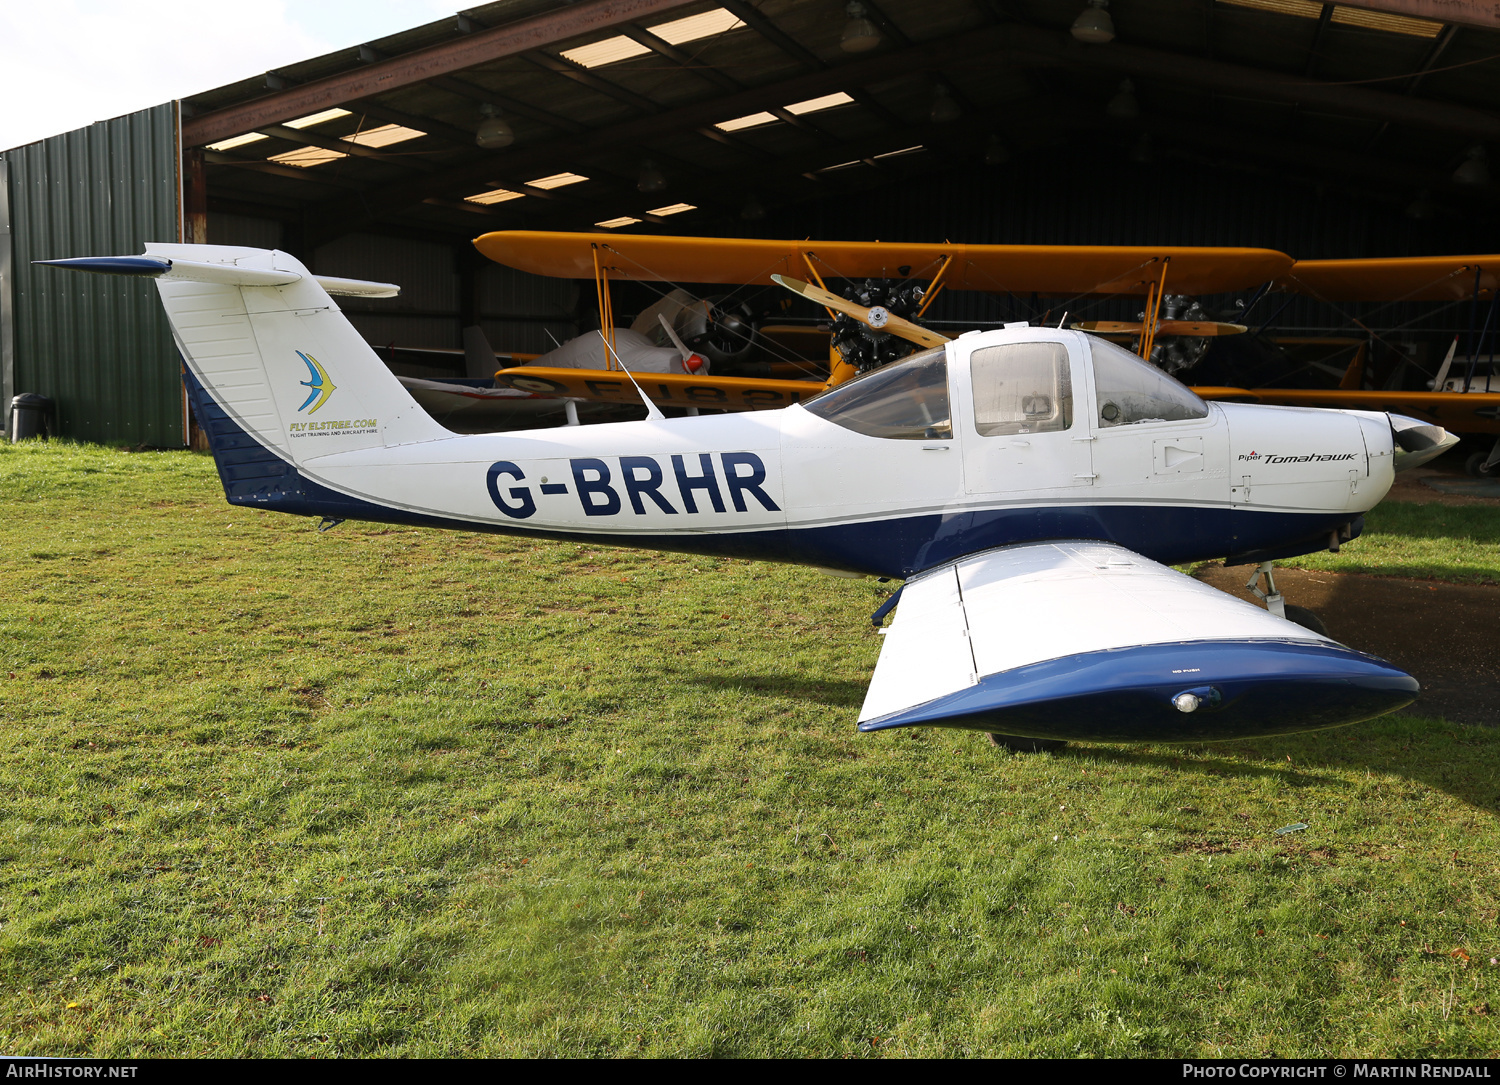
{"x":1085,"y":640}
{"x":190,"y":271}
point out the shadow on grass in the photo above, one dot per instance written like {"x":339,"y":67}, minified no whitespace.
{"x":1461,"y":760}
{"x":821,"y":690}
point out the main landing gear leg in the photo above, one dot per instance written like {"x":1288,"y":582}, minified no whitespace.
{"x":1277,"y":604}
{"x":1271,"y":597}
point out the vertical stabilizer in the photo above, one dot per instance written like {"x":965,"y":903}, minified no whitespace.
{"x":283,"y":362}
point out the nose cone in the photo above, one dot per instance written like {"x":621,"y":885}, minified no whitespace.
{"x":1418,"y":442}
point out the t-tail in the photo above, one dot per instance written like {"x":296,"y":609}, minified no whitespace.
{"x":276,"y":374}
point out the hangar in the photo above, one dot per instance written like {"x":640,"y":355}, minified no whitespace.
{"x":1320,"y":129}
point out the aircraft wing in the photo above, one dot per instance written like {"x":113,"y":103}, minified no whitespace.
{"x":1401,"y":278}
{"x":1087,"y":640}
{"x":1050,"y":270}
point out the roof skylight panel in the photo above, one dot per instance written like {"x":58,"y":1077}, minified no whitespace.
{"x":494,"y":195}
{"x":557,"y":180}
{"x":813,"y":105}
{"x":676,"y":32}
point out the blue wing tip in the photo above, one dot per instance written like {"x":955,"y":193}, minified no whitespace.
{"x":113,"y":265}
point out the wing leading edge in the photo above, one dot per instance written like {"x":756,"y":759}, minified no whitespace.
{"x":1090,"y":641}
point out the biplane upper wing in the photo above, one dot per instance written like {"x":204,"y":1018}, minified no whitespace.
{"x":1049,"y":270}
{"x":1401,"y":278}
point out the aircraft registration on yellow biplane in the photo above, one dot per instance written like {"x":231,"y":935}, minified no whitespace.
{"x":690,"y":352}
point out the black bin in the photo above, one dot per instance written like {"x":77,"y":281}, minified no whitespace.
{"x":29,"y":416}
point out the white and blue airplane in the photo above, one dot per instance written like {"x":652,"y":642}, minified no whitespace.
{"x":1029,"y":485}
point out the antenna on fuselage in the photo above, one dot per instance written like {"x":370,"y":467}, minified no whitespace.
{"x":653,"y":412}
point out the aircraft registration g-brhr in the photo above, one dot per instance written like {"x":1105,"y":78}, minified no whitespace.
{"x":1030,"y":486}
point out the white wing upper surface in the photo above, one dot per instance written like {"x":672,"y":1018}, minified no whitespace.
{"x":1006,"y":609}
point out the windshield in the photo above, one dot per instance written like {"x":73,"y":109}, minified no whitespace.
{"x":1130,"y":391}
{"x":903,"y":401}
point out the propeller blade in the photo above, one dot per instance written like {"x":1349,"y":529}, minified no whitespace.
{"x":1201,"y":328}
{"x":878,"y":317}
{"x":691,"y":363}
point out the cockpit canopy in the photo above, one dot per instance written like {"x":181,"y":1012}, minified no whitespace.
{"x":1018,"y":388}
{"x":904,"y":401}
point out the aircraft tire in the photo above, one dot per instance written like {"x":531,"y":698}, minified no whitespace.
{"x":1025,"y":745}
{"x":1307,"y":619}
{"x":1474,"y":466}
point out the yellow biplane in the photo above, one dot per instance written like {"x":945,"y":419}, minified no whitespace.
{"x":599,"y":371}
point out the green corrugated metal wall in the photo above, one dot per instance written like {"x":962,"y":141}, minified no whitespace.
{"x":98,"y":345}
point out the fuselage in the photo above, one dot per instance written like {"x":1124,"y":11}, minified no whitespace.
{"x":1019,"y":435}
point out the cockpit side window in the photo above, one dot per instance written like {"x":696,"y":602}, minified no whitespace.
{"x":1021,"y":388}
{"x":904,"y":401}
{"x":1130,"y":390}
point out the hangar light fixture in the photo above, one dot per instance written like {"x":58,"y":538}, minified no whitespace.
{"x":1475,"y":168}
{"x":944,"y":108}
{"x":1124,"y":106}
{"x":494,"y":131}
{"x":494,"y":195}
{"x":651,"y":178}
{"x":1422,"y":208}
{"x":673,"y":209}
{"x":860,"y":34}
{"x":902,"y":151}
{"x":615,"y":224}
{"x":613,"y":50}
{"x":556,"y":180}
{"x":1094,"y":25}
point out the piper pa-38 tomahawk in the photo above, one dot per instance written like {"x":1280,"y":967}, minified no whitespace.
{"x":1030,"y":486}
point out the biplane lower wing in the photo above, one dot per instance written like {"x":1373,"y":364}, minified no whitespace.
{"x":663,"y":389}
{"x":1091,"y":641}
{"x":1456,"y":412}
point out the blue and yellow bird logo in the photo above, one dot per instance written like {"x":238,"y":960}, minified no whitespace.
{"x":321,"y":387}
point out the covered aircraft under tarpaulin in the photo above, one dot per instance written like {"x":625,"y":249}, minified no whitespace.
{"x":1029,"y":484}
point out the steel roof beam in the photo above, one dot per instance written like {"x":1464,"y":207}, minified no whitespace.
{"x":418,"y":66}
{"x":1025,"y":44}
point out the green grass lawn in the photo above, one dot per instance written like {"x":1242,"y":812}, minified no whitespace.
{"x":1460,"y":543}
{"x":400,"y":792}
